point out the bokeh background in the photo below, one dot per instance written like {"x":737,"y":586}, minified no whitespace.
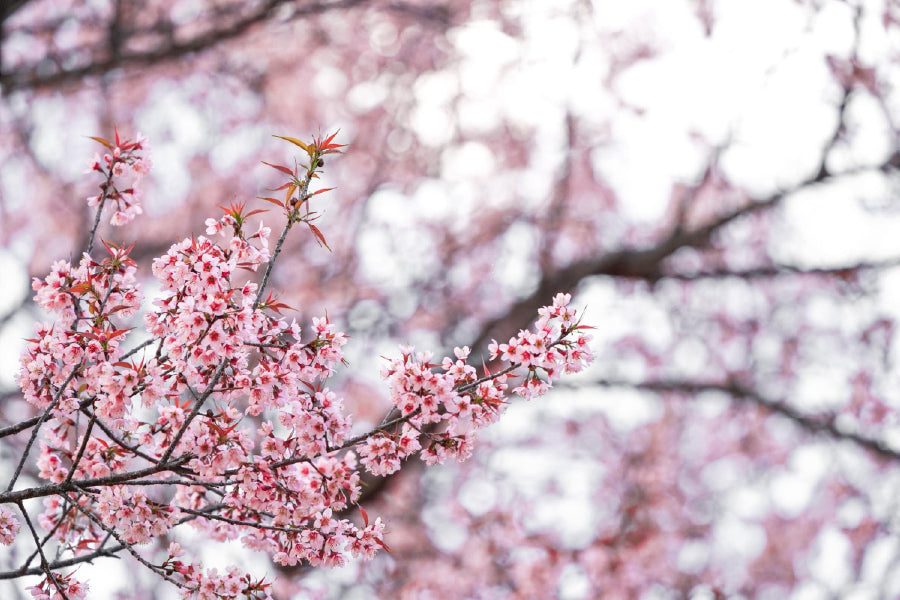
{"x":715,"y":180}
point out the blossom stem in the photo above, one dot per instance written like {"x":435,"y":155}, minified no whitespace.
{"x":103,"y":197}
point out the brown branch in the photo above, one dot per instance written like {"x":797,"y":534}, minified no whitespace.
{"x":45,"y":565}
{"x":61,"y":564}
{"x":824,"y":424}
{"x":126,"y":546}
{"x":9,"y":8}
{"x":33,"y":78}
{"x":779,"y":270}
{"x":643,"y":263}
{"x":59,"y":489}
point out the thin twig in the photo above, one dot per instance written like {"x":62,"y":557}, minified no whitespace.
{"x":127,"y":546}
{"x":45,"y":565}
{"x":198,"y":403}
{"x":43,"y":417}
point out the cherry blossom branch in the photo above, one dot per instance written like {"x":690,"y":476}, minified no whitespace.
{"x":49,"y":535}
{"x":211,"y":485}
{"x":112,"y":552}
{"x":140,"y":347}
{"x":278,"y":246}
{"x":104,"y":194}
{"x":84,"y":442}
{"x":44,"y":568}
{"x":198,"y":404}
{"x":112,"y":436}
{"x":37,"y":426}
{"x":354,"y":441}
{"x":18,"y":427}
{"x":387,"y":425}
{"x":252,"y":524}
{"x":127,"y":547}
{"x":21,"y":426}
{"x":224,"y":345}
{"x":293,"y":211}
{"x":59,"y":489}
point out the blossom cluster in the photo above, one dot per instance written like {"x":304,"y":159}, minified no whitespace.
{"x":226,"y":421}
{"x":80,"y":347}
{"x":546,"y":352}
{"x":124,"y":166}
{"x":209,"y":584}
{"x":444,"y":404}
{"x":9,"y":526}
{"x":60,"y":587}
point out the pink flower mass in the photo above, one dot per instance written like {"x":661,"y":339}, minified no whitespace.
{"x":223,"y":420}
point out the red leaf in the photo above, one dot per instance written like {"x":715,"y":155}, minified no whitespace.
{"x":326,"y":147}
{"x":281,"y":168}
{"x":102,"y":141}
{"x":327,"y":142}
{"x":365,"y":515}
{"x":318,"y":234}
{"x":272,"y":200}
{"x":290,"y":192}
{"x":119,"y":332}
{"x":294,"y":141}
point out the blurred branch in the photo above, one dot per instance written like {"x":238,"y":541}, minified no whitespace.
{"x":847,"y":272}
{"x":558,"y":208}
{"x":36,"y":76}
{"x":9,"y":7}
{"x":824,"y":424}
{"x":227,"y":22}
{"x":646,"y":263}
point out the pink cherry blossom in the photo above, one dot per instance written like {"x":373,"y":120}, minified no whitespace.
{"x":9,"y":526}
{"x":224,"y":420}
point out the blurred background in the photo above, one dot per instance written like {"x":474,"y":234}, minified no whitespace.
{"x":716,"y":181}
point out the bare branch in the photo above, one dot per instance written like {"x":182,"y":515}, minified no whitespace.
{"x":31,"y":77}
{"x":644,"y":263}
{"x":824,"y":424}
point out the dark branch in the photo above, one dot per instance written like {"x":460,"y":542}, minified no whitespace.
{"x":113,"y":53}
{"x":824,"y":424}
{"x":32,"y":78}
{"x":61,"y":564}
{"x":644,"y":263}
{"x":9,"y":7}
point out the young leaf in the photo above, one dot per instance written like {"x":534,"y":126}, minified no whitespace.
{"x":281,"y":168}
{"x":321,"y":191}
{"x":102,"y":141}
{"x":272,"y":200}
{"x":294,"y":141}
{"x":318,"y":235}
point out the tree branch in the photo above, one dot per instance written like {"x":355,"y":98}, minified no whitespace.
{"x":31,"y":77}
{"x":824,"y":424}
{"x":639,"y":263}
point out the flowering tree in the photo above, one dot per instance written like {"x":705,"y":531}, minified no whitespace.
{"x":716,"y":180}
{"x":223,"y":419}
